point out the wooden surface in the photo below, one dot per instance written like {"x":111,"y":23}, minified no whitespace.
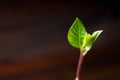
{"x":33,"y":43}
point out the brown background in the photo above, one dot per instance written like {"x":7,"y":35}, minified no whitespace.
{"x":33,"y":43}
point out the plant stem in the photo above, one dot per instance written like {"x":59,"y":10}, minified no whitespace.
{"x":78,"y":72}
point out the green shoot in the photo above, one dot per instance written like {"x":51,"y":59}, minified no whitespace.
{"x":79,"y":38}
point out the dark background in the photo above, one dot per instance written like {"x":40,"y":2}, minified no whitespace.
{"x":34,"y":46}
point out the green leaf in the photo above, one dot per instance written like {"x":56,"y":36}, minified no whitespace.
{"x":96,"y":34}
{"x":87,"y":44}
{"x":76,"y":34}
{"x":79,"y":38}
{"x":90,"y":39}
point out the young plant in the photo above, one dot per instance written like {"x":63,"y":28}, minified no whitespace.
{"x":79,"y":38}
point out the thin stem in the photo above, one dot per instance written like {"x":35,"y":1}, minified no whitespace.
{"x":78,"y":72}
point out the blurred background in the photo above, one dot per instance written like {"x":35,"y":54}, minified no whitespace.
{"x":34,"y":46}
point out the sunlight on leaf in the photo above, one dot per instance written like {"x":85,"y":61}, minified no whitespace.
{"x":79,"y":38}
{"x":76,"y":34}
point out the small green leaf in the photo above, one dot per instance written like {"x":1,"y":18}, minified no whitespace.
{"x":76,"y":34}
{"x":79,"y":38}
{"x":90,"y":39}
{"x":96,"y":34}
{"x":87,"y":43}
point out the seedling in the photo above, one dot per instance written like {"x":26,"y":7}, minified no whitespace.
{"x":79,"y":38}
